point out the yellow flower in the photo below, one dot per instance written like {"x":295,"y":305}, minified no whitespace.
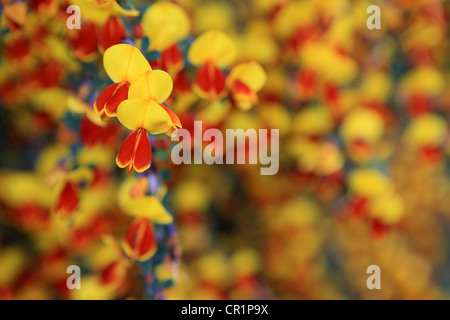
{"x":165,"y":24}
{"x":427,"y":130}
{"x":134,"y":202}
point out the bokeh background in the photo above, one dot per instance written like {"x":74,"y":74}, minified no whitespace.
{"x":364,"y":149}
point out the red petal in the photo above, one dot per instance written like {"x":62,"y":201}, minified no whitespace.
{"x":172,"y":60}
{"x":125,"y":155}
{"x":48,"y":74}
{"x":218,"y":80}
{"x":92,"y":134}
{"x":17,"y":49}
{"x":243,"y":93}
{"x":135,"y":152}
{"x":111,"y":33}
{"x":111,"y":274}
{"x":181,"y":83}
{"x":143,"y":152}
{"x":99,"y":104}
{"x":89,"y":132}
{"x":241,"y":88}
{"x":332,"y":94}
{"x":419,"y":104}
{"x":431,"y":154}
{"x":68,"y":200}
{"x":172,"y":55}
{"x":358,"y":207}
{"x":307,"y":81}
{"x":140,"y":242}
{"x":138,"y":31}
{"x":84,"y":42}
{"x":119,"y":95}
{"x":379,"y":229}
{"x":175,"y":120}
{"x":210,"y":80}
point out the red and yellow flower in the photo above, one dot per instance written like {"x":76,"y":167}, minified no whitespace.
{"x":136,"y":99}
{"x":244,"y":81}
{"x":212,"y":51}
{"x":144,"y":112}
{"x":166,"y":24}
{"x":139,"y":242}
{"x":123,"y":63}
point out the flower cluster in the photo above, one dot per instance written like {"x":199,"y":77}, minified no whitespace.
{"x":67,"y":194}
{"x":136,"y":99}
{"x":363,"y":120}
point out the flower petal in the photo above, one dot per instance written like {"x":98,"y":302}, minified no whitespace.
{"x":139,"y":242}
{"x":155,"y":84}
{"x":103,"y":97}
{"x":165,"y":24}
{"x":135,"y":152}
{"x":143,"y":113}
{"x":112,"y":32}
{"x":68,"y":200}
{"x":250,"y":73}
{"x":126,"y":151}
{"x":84,"y":41}
{"x":124,"y":62}
{"x":209,"y":82}
{"x":113,"y":274}
{"x":143,"y":153}
{"x":120,"y":95}
{"x":172,"y":60}
{"x":175,"y":120}
{"x":149,"y":207}
{"x":214,"y":46}
{"x":243,"y":95}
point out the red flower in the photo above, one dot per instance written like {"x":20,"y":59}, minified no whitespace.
{"x":139,"y":242}
{"x":135,"y":152}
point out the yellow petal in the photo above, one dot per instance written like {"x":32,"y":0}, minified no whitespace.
{"x":362,"y":124}
{"x":92,"y":289}
{"x":19,"y":187}
{"x":150,"y":208}
{"x":165,"y":24}
{"x":80,"y":174}
{"x":142,"y":113}
{"x":313,"y":120}
{"x":99,"y":11}
{"x":116,"y":8}
{"x":124,"y":62}
{"x":142,"y":206}
{"x":156,"y":85}
{"x":250,"y":73}
{"x":389,"y":207}
{"x":368,"y":182}
{"x":213,"y":46}
{"x":12,"y":262}
{"x":426,"y":80}
{"x":426,"y":130}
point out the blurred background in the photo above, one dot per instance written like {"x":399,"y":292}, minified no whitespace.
{"x":363,"y":117}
